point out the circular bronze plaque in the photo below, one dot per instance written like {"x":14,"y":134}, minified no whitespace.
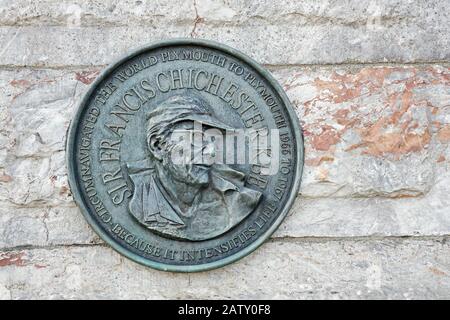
{"x":185,"y":155}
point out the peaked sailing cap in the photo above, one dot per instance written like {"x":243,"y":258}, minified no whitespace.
{"x":179,"y":108}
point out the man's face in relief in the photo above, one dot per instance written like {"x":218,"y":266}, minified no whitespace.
{"x":188,"y":154}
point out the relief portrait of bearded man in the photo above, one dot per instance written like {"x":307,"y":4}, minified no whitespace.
{"x":190,"y":200}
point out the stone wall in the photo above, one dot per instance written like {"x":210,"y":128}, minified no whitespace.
{"x":370,"y":81}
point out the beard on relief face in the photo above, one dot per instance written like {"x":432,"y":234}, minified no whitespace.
{"x":186,"y":171}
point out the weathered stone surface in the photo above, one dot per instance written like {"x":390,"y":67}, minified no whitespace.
{"x":100,"y":13}
{"x":376,"y":138}
{"x":339,"y":12}
{"x":35,"y":181}
{"x":44,"y":226}
{"x":312,"y":32}
{"x":309,"y":218}
{"x":37,"y":108}
{"x":112,"y":12}
{"x":334,"y":269}
{"x":374,"y":217}
{"x":369,"y":131}
{"x":23,"y":45}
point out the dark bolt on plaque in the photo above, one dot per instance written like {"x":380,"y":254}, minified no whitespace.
{"x":185,"y":155}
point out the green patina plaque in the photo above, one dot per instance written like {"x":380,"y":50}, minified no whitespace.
{"x":185,"y":155}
